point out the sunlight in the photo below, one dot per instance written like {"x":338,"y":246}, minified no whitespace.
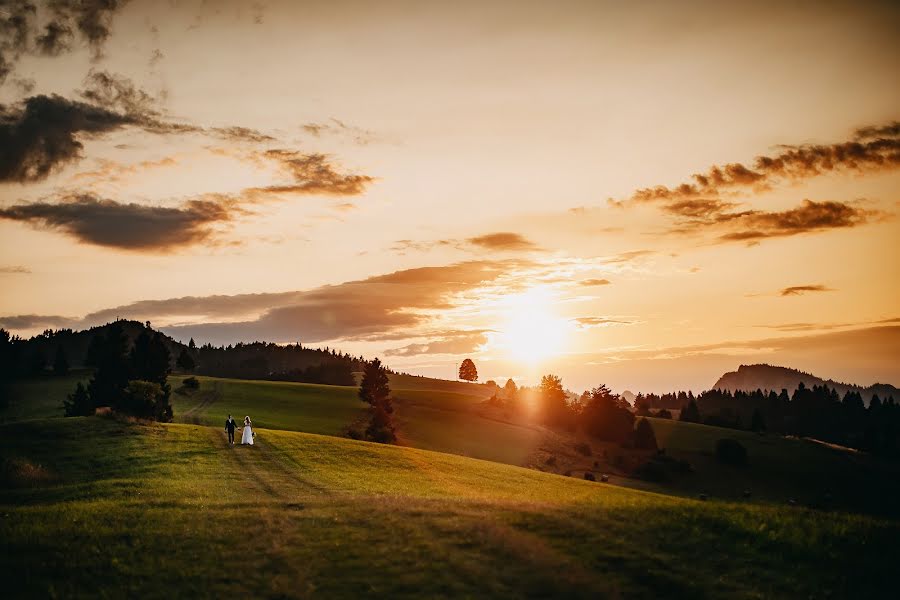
{"x":531,"y":332}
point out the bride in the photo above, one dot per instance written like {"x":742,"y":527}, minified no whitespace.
{"x":247,"y":437}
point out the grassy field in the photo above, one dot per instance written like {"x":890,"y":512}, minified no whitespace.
{"x":40,"y":397}
{"x":96,"y":508}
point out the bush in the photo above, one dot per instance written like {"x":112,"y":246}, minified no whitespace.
{"x":731,"y":452}
{"x":145,"y":399}
{"x":583,"y":448}
{"x":191,"y":383}
{"x":664,"y":414}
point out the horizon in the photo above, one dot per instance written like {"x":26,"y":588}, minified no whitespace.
{"x":642,"y":196}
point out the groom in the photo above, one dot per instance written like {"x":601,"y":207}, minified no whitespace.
{"x":229,"y":427}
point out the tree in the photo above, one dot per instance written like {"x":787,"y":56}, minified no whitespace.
{"x":690,"y":413}
{"x":185,"y":361}
{"x":644,"y":438}
{"x":60,"y":362}
{"x":467,"y":370}
{"x":731,"y":452}
{"x":149,"y":362}
{"x":375,"y":390}
{"x":553,"y":408}
{"x":757,"y":422}
{"x":146,"y":399}
{"x":604,"y":419}
{"x":78,"y":403}
{"x":510,"y":389}
{"x":192,"y":345}
{"x":112,"y":368}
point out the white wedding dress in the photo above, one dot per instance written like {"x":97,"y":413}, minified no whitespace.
{"x":247,"y":438}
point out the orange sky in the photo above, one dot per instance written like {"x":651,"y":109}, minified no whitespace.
{"x":426,"y":182}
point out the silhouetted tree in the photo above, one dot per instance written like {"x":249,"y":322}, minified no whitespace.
{"x":78,"y":403}
{"x":185,"y":362}
{"x":376,"y":390}
{"x":644,"y":438}
{"x":553,"y":408}
{"x":758,"y":422}
{"x":111,"y":375}
{"x":146,"y":399}
{"x":467,"y":370}
{"x":37,"y":364}
{"x":605,"y":419}
{"x":192,"y":345}
{"x":149,"y":361}
{"x":690,"y":413}
{"x":731,"y":452}
{"x":61,"y":361}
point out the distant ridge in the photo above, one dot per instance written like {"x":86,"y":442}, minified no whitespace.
{"x":769,"y":377}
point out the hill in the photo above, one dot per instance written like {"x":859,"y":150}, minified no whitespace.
{"x":98,"y":508}
{"x":768,"y":377}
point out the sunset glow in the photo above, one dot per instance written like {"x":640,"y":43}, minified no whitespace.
{"x":531,"y":332}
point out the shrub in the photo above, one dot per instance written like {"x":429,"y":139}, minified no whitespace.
{"x":191,"y":383}
{"x":589,"y":476}
{"x":583,"y":448}
{"x":145,"y":399}
{"x":664,"y":414}
{"x":731,"y":452}
{"x":551,"y":461}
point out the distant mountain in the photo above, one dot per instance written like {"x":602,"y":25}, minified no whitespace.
{"x":768,"y":377}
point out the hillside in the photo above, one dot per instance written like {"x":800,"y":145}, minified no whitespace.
{"x":768,"y":377}
{"x":97,"y":508}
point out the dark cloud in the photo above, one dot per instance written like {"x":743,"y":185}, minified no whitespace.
{"x":372,"y":308}
{"x":503,"y":241}
{"x":118,"y":93}
{"x":810,"y":216}
{"x":56,"y":39}
{"x":53,"y":31}
{"x":41,"y":134}
{"x":14,"y":269}
{"x":125,"y":226}
{"x":18,"y":322}
{"x":446,"y":342}
{"x":875,"y":148}
{"x":797,"y":290}
{"x":313,"y":174}
{"x":594,"y":282}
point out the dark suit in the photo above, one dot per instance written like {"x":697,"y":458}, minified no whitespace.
{"x":230,"y":425}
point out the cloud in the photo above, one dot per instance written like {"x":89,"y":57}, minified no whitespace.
{"x":312,"y":174}
{"x":53,"y":30}
{"x":382,"y":307}
{"x":14,"y":269}
{"x":595,"y":282}
{"x":588,"y":322}
{"x":241,"y":134}
{"x":40,"y":135}
{"x":809,"y":217}
{"x":18,"y":322}
{"x":504,"y":240}
{"x":446,"y":342}
{"x":126,"y":226}
{"x":874,"y":149}
{"x":798,"y":290}
{"x":337,"y":127}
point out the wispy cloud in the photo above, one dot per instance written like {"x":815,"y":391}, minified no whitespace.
{"x":445,"y":342}
{"x":15,"y":270}
{"x":798,"y":290}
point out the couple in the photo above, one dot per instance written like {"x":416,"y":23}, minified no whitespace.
{"x":248,"y":435}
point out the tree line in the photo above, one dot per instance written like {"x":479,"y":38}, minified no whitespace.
{"x":819,"y":412}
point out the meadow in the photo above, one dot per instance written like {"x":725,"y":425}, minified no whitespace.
{"x":93,"y":507}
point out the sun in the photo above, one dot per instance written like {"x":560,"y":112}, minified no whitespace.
{"x":530,"y":331}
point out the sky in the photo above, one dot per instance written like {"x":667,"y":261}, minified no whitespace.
{"x":645,"y":194}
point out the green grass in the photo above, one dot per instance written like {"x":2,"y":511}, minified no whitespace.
{"x":305,"y":407}
{"x":40,"y":397}
{"x":108,"y":509}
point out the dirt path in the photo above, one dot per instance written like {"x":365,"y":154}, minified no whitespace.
{"x":194,"y":413}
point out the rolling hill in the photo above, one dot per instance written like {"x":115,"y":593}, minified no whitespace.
{"x":767,"y":377}
{"x":93,"y":507}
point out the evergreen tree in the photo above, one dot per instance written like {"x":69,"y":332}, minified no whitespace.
{"x":375,"y":390}
{"x":185,"y":361}
{"x":111,"y":375}
{"x":553,"y":408}
{"x":644,"y":438}
{"x":78,"y":403}
{"x":192,"y":345}
{"x":690,"y":413}
{"x":758,"y":422}
{"x":605,"y":419}
{"x":61,"y":361}
{"x":467,"y":370}
{"x":149,"y":362}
